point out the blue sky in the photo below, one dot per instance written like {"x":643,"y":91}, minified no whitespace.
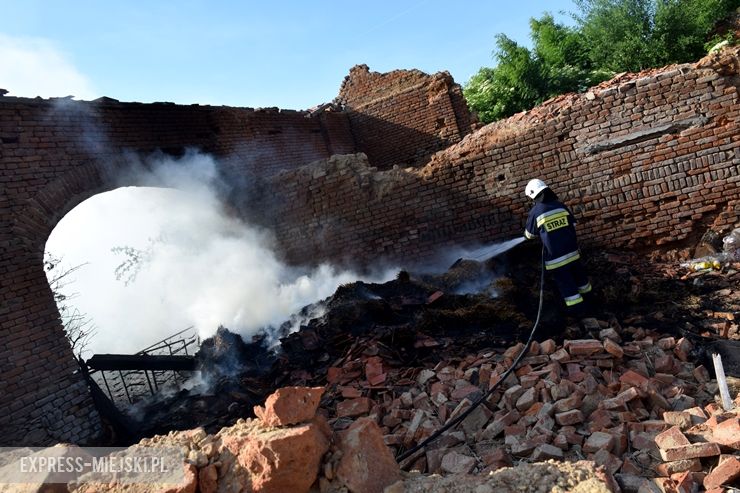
{"x":285,"y":54}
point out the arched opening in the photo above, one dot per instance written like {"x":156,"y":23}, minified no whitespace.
{"x":167,"y":255}
{"x":152,"y":261}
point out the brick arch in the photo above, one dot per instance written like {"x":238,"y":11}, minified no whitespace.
{"x":51,"y":203}
{"x":55,"y":154}
{"x":46,"y":397}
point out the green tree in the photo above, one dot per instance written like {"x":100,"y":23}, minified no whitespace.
{"x":610,"y":36}
{"x":558,"y":63}
{"x":562,"y":54}
{"x":684,"y":29}
{"x":618,"y":33}
{"x":514,"y":85}
{"x":480,"y":94}
{"x":631,"y":35}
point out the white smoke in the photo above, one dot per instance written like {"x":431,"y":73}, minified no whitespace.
{"x":198,"y":266}
{"x":37,"y":67}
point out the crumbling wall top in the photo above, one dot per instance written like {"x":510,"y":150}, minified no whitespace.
{"x":363,"y":87}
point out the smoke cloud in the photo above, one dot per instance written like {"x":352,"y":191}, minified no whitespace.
{"x":186,"y":262}
{"x":36,"y":67}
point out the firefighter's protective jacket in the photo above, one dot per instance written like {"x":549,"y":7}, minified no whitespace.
{"x":553,"y":223}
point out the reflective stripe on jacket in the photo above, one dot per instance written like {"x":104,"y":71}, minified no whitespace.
{"x":553,"y":223}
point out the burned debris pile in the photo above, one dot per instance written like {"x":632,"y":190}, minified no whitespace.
{"x":231,"y":378}
{"x":410,"y":354}
{"x":408,"y":317}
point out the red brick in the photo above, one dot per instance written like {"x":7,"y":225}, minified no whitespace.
{"x":610,"y":333}
{"x":569,"y":417}
{"x":644,"y":441}
{"x":633,"y":378}
{"x":499,"y":425}
{"x":455,"y":462}
{"x":548,"y":347}
{"x":522,"y":448}
{"x":354,"y":407}
{"x":526,"y":400}
{"x":512,"y":394}
{"x":727,"y":433}
{"x":514,"y":430}
{"x":697,"y":415}
{"x":350,"y":392}
{"x":685,"y":482}
{"x":561,"y":356}
{"x":690,"y":451}
{"x":434,"y":297}
{"x":289,"y":406}
{"x":529,"y":381}
{"x":333,"y":375}
{"x":712,"y":408}
{"x":654,"y":425}
{"x":681,"y":419}
{"x":671,"y":438}
{"x":433,"y":110}
{"x":683,"y":349}
{"x":497,"y":456}
{"x":598,"y":441}
{"x":664,"y":364}
{"x":599,"y":420}
{"x":514,"y":351}
{"x":613,"y":348}
{"x":701,"y":374}
{"x":464,"y":391}
{"x":568,"y":404}
{"x":666,"y":343}
{"x":534,"y":409}
{"x":610,"y":462}
{"x":725,"y":473}
{"x":547,"y":451}
{"x":572,"y":437}
{"x":621,"y":399}
{"x":673,"y":467}
{"x":583,"y":347}
{"x":560,"y":441}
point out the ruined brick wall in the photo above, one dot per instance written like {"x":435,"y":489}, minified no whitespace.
{"x":404,"y":116}
{"x":53,"y":155}
{"x":267,"y":141}
{"x":643,"y":160}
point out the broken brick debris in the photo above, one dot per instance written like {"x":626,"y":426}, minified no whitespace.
{"x":366,"y":464}
{"x":621,"y":402}
{"x":289,"y":406}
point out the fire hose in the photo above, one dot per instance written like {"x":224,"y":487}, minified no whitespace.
{"x":459,"y":418}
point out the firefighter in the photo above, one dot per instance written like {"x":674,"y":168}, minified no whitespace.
{"x":554,"y":223}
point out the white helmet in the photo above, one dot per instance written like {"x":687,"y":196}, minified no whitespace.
{"x":534,"y":187}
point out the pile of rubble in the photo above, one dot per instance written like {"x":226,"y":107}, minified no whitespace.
{"x":283,"y":450}
{"x":404,"y":357}
{"x":602,"y":399}
{"x":409,"y":318}
{"x":290,"y":447}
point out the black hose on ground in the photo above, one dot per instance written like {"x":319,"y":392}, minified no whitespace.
{"x":411,"y":452}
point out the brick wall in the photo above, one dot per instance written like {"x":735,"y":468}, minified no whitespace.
{"x":53,"y":155}
{"x":404,"y":116}
{"x":644,"y":160}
